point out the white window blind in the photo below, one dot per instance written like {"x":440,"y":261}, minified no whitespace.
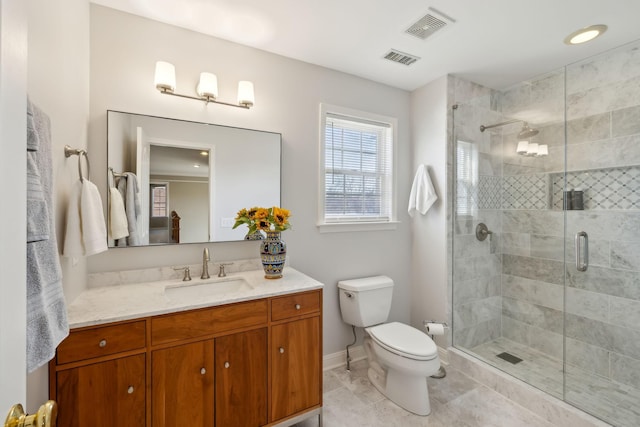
{"x":159,"y":205}
{"x":467,"y":178}
{"x":358,"y":170}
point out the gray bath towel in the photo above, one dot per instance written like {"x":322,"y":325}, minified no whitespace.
{"x":46,"y":310}
{"x":128,"y":187}
{"x":33,"y":141}
{"x":38,"y":218}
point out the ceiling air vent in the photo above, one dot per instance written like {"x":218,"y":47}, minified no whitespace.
{"x":401,"y":58}
{"x":429,"y":24}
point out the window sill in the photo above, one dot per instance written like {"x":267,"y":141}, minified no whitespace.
{"x":357,"y":226}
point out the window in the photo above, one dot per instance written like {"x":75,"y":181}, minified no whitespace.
{"x":357,"y":182}
{"x":159,"y":202}
{"x":467,"y":179}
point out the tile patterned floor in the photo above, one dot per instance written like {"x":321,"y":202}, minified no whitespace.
{"x":456,"y":401}
{"x":613,"y":402}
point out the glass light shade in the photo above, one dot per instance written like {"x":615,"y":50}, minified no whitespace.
{"x":245,"y":93}
{"x":522,"y":148}
{"x":165,"y":78}
{"x":543,"y":150}
{"x":207,"y":86}
{"x":532,"y":150}
{"x":586,"y":34}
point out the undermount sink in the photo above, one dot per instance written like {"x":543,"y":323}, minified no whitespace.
{"x":209,"y":288}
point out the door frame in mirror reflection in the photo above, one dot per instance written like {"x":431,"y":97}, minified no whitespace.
{"x":173,"y":168}
{"x":244,"y":169}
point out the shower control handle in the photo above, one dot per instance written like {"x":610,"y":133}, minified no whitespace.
{"x":582,"y":252}
{"x":482,"y":231}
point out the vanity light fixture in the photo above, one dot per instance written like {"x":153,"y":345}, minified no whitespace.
{"x":586,"y":34}
{"x":207,"y":88}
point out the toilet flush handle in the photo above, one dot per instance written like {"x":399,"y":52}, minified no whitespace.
{"x":348,"y":294}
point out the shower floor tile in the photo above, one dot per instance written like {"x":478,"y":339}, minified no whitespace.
{"x":613,"y":402}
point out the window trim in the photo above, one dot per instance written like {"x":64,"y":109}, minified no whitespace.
{"x":361,"y":225}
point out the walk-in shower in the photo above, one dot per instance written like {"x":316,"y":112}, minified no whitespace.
{"x":525,"y":300}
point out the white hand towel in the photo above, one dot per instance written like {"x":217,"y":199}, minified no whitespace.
{"x":422,"y":193}
{"x":73,"y":234}
{"x":94,"y":231}
{"x":118,"y":225}
{"x":86,"y":233}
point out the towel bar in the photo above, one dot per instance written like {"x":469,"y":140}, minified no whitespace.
{"x":68,"y":152}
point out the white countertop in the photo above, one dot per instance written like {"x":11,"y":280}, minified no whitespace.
{"x":131,"y":301}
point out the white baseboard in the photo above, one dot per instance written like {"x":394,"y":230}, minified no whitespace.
{"x":336,"y":360}
{"x":339,"y":359}
{"x":443,"y":354}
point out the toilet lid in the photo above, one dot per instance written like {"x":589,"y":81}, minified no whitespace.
{"x":404,"y":339}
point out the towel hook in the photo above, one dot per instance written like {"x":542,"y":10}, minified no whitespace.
{"x":116,"y":174}
{"x":68,"y":152}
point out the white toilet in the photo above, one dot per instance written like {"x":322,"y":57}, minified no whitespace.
{"x":400,"y":357}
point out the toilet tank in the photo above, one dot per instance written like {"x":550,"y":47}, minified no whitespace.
{"x":365,"y":302}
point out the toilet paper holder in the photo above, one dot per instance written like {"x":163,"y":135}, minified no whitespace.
{"x":439,"y":329}
{"x":435,"y":331}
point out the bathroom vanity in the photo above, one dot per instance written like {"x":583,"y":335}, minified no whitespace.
{"x":245,"y":357}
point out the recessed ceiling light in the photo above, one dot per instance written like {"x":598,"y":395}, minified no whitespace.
{"x":585,"y":34}
{"x":196,"y":165}
{"x":204,"y":153}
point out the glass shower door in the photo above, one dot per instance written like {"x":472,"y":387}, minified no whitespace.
{"x":600,"y":191}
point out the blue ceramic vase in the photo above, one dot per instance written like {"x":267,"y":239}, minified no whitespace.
{"x":273,"y":252}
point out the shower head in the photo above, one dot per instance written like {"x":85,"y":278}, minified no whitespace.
{"x":527,"y":132}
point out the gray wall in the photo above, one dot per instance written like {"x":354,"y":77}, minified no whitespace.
{"x":124,"y":49}
{"x":428,"y":237}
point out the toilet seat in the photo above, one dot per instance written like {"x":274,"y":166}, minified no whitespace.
{"x":404,"y":340}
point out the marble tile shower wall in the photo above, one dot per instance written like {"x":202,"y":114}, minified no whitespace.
{"x":603,"y":157}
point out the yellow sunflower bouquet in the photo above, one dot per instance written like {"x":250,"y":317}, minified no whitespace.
{"x":263,"y":219}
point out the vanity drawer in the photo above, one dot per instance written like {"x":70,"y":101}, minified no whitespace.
{"x":295,"y":305}
{"x":208,"y":321}
{"x":101,"y":341}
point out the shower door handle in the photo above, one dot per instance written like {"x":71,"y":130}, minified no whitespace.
{"x":582,"y":252}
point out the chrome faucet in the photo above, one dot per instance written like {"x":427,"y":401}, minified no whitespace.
{"x":205,"y":264}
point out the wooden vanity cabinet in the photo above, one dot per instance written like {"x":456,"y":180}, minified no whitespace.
{"x":241,"y":379}
{"x":182,"y":380}
{"x":100,"y":379}
{"x":249,"y":364}
{"x":296,"y":354}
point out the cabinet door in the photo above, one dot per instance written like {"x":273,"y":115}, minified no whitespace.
{"x":182,"y":385}
{"x":296,"y":372}
{"x":104,"y":394}
{"x":241,"y":379}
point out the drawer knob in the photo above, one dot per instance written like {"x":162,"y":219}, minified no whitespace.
{"x":226,"y":365}
{"x":102,"y":343}
{"x":130,"y":389}
{"x":298,"y":307}
{"x":281,"y":350}
{"x":203,"y":371}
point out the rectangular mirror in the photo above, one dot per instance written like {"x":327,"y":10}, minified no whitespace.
{"x":192,"y":178}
